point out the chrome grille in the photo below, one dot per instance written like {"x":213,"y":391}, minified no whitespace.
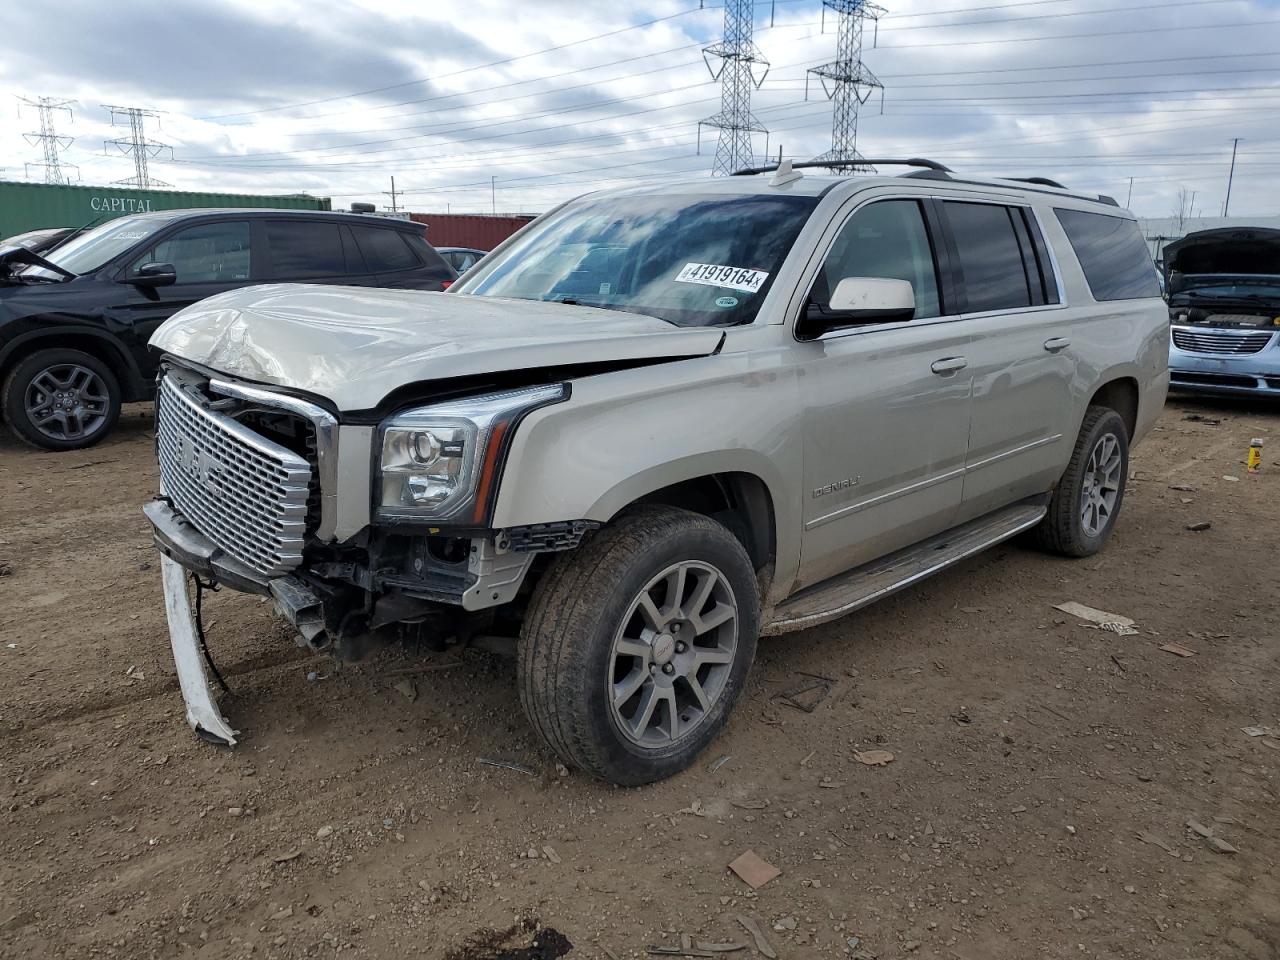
{"x":245,"y":493}
{"x":1212,"y":341}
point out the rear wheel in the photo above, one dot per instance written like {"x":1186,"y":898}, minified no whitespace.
{"x":638,"y":644}
{"x":1087,"y":501}
{"x":61,"y":399}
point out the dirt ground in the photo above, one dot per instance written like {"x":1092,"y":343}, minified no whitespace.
{"x":1036,"y":805}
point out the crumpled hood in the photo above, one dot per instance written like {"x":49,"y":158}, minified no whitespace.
{"x":354,"y":345}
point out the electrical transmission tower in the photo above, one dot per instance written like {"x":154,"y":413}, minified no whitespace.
{"x":137,"y":145}
{"x":49,"y":139}
{"x":738,"y":57}
{"x":851,"y":83}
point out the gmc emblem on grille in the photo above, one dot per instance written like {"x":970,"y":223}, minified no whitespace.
{"x":201,"y":467}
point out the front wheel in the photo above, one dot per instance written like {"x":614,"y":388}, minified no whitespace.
{"x":61,"y":399}
{"x":638,"y":644}
{"x":1087,"y":501}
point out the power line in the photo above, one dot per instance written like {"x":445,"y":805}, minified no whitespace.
{"x":1080,"y":36}
{"x":51,"y":142}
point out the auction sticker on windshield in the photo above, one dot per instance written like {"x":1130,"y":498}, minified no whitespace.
{"x":714,"y":275}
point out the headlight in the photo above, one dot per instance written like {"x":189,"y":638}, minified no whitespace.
{"x":441,"y":462}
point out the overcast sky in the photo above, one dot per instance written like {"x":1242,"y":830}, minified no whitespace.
{"x":333,"y":99}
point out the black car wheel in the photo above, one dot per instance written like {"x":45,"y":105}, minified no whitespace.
{"x":61,"y":399}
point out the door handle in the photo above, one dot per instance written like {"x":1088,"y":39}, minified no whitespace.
{"x":1054,"y":344}
{"x":948,"y":365}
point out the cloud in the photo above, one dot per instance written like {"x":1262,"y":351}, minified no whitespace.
{"x":256,"y":95}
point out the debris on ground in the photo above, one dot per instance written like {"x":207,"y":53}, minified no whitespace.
{"x":1184,"y":487}
{"x":324,"y":832}
{"x":508,"y":765}
{"x":1178,"y":649}
{"x":407,"y":689}
{"x":1215,"y":843}
{"x":287,"y":857}
{"x":550,"y":853}
{"x":762,"y":943}
{"x":754,"y":871}
{"x":807,"y":695}
{"x":1230,"y":479}
{"x":1199,"y":527}
{"x":873,"y":758}
{"x":718,"y":763}
{"x":6,"y":568}
{"x":1148,"y":837}
{"x":1200,"y":418}
{"x":694,"y":809}
{"x":1255,"y":731}
{"x":1113,"y":622}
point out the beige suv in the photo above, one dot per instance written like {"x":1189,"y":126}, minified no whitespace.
{"x":656,"y":424}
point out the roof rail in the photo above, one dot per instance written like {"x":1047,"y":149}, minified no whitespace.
{"x":830,"y":164}
{"x":1039,"y":181}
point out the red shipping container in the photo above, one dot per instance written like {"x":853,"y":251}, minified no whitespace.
{"x":468,"y":230}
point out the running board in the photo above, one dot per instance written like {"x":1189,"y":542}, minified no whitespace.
{"x":853,"y":590}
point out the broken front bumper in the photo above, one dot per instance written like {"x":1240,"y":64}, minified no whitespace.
{"x":202,"y":713}
{"x":182,"y":549}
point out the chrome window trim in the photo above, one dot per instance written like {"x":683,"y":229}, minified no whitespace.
{"x":326,"y":427}
{"x":824,"y":250}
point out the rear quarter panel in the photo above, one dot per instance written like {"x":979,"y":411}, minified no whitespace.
{"x":1110,"y":340}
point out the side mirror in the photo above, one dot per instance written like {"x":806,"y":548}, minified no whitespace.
{"x":154,"y":275}
{"x":859,"y":300}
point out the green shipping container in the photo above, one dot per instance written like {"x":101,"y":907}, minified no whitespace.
{"x":31,"y":206}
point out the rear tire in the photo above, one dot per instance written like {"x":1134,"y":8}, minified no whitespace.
{"x":1088,"y":498}
{"x":637,"y":645}
{"x":60,"y":399}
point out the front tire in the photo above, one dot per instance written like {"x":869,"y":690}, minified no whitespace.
{"x":1087,"y":502}
{"x":638,"y":644}
{"x":61,"y":399}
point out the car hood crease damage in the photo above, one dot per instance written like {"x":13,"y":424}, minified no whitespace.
{"x":353,"y":345}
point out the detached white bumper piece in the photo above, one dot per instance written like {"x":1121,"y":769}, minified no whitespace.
{"x":202,"y":712}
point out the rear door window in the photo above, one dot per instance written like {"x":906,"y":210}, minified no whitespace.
{"x":300,"y":250}
{"x":385,"y":251}
{"x":1113,"y":255}
{"x":993,"y":257}
{"x":205,"y":253}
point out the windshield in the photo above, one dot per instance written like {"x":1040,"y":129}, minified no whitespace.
{"x":1266,"y":290}
{"x":694,"y":261}
{"x":93,"y":248}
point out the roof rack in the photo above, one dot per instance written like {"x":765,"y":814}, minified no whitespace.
{"x":830,"y":164}
{"x":1039,"y":181}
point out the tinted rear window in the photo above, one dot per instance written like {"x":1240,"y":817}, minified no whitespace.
{"x":991,"y":256}
{"x":1112,"y":254}
{"x":301,"y":250}
{"x":384,"y":250}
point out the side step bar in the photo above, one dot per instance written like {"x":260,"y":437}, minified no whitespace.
{"x":853,"y":590}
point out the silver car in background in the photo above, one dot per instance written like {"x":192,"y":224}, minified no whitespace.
{"x":1224,"y":312}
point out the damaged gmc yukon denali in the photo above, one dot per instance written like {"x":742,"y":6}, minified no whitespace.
{"x":655,"y":425}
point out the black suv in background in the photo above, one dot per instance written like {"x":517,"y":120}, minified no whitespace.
{"x":74,"y":325}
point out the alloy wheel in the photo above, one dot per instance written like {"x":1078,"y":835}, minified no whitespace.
{"x":67,"y":401}
{"x":1101,"y":487}
{"x":673,"y":653}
